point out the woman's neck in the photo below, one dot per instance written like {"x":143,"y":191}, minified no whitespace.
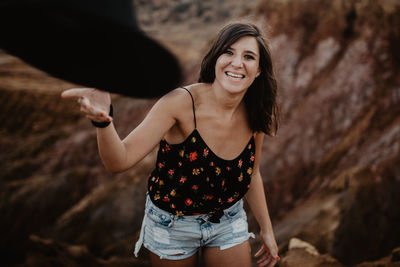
{"x":223,"y":102}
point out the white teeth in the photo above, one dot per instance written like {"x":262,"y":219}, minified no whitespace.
{"x":234,"y":75}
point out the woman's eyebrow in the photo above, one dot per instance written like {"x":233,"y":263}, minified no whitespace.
{"x":250,"y":52}
{"x":246,"y":51}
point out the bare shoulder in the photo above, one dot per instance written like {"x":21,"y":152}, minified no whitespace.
{"x":180,"y":95}
{"x":259,"y":138}
{"x":199,"y":92}
{"x":174,"y":95}
{"x":175,"y":102}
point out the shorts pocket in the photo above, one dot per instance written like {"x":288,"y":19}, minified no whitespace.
{"x":232,"y":213}
{"x":159,"y":218}
{"x":235,"y":213}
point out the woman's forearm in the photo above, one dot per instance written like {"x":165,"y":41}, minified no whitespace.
{"x":111,"y":149}
{"x":256,"y":199}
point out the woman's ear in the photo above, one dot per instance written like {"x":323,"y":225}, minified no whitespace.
{"x":258,"y":72}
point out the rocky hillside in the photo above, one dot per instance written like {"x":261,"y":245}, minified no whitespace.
{"x":335,"y":162}
{"x":332,"y":174}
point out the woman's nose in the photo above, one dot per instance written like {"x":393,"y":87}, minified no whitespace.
{"x":237,"y":62}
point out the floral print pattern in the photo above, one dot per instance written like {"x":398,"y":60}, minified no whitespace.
{"x":190,"y":179}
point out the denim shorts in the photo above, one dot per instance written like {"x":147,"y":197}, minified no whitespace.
{"x":178,"y":237}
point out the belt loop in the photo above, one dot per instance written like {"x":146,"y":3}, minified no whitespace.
{"x":173,"y":219}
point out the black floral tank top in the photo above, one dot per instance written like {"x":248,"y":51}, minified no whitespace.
{"x":189,"y":179}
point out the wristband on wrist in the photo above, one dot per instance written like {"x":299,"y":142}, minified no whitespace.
{"x":103,"y":124}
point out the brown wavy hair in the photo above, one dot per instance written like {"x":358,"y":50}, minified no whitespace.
{"x":261,"y":97}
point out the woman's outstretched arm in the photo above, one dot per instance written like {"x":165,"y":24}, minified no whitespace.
{"x":119,"y":155}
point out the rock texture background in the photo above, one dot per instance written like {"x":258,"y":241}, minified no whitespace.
{"x":332,"y":174}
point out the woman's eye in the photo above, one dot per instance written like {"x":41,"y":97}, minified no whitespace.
{"x":228,"y":52}
{"x":248,"y":57}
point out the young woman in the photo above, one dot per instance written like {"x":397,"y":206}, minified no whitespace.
{"x":210,"y":138}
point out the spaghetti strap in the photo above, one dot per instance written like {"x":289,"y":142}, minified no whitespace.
{"x":194,"y":111}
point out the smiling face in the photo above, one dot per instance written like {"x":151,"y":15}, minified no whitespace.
{"x":238,"y":66}
{"x":229,"y":67}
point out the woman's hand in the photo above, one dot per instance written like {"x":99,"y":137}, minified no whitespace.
{"x":268,"y":253}
{"x":94,"y":104}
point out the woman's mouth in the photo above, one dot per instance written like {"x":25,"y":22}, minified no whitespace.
{"x":234,"y":75}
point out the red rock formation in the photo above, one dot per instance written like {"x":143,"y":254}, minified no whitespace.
{"x":339,"y":80}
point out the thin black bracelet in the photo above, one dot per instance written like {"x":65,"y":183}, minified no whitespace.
{"x":103,"y":124}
